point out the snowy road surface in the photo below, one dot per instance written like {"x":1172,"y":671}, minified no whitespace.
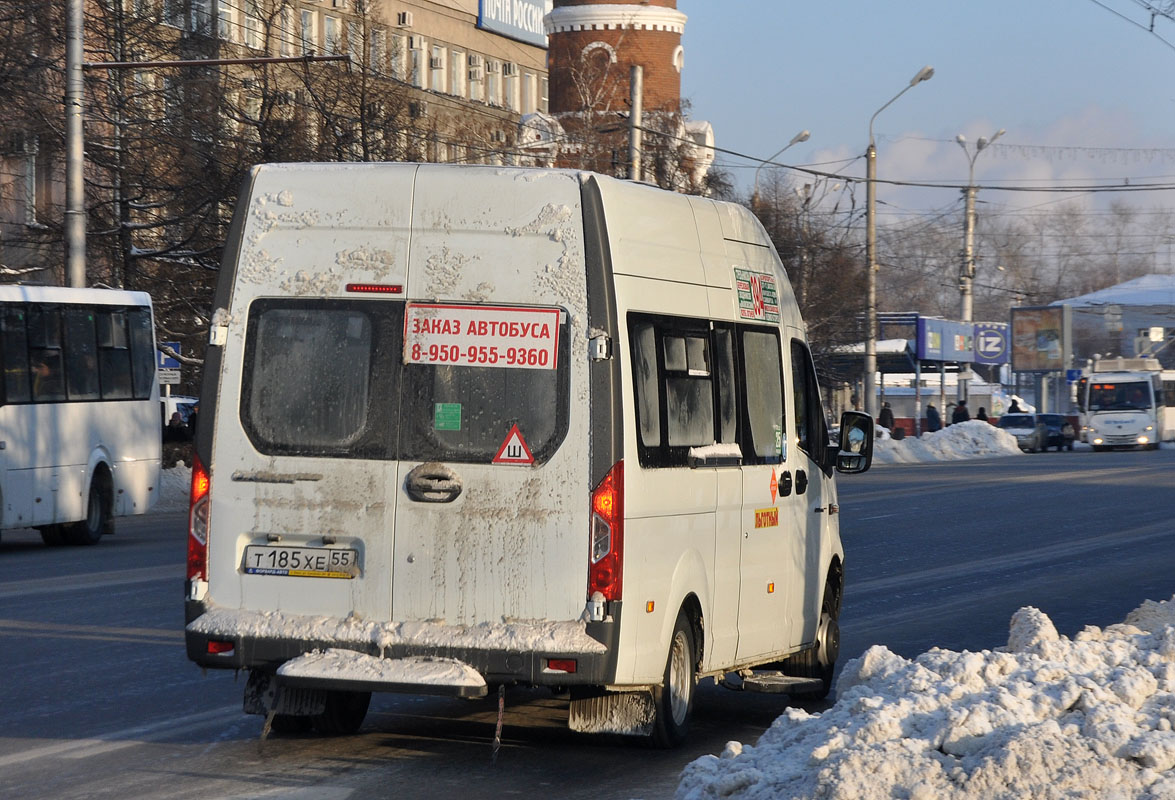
{"x":99,"y":700}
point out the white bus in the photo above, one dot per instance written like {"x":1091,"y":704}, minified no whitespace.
{"x":1127,"y":408}
{"x":79,"y":423}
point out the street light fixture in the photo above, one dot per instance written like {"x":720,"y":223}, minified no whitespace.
{"x":924,"y":74}
{"x":967,"y":269}
{"x":802,"y":136}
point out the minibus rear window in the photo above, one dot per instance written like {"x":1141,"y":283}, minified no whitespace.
{"x":328,"y":378}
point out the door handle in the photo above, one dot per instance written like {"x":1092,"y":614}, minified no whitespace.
{"x":784,"y":484}
{"x":801,"y":481}
{"x":433,"y":483}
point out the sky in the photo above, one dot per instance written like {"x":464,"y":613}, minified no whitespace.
{"x":1082,"y":93}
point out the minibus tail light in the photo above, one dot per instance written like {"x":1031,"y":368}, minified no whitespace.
{"x":607,"y":535}
{"x":198,"y":523}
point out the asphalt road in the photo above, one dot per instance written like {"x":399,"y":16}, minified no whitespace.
{"x":97,"y":698}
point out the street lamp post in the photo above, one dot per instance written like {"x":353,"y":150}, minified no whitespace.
{"x":924,"y":74}
{"x":802,"y":136}
{"x":967,"y":268}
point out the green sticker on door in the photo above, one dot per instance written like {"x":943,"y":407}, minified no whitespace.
{"x":446,"y":416}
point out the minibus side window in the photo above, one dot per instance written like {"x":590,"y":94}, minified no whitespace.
{"x":727,"y":394}
{"x":689,"y":394}
{"x":764,"y":382}
{"x":809,"y":418}
{"x":648,"y":399}
{"x":685,"y":385}
{"x":114,"y":356}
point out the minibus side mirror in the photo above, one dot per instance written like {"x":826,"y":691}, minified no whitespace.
{"x":856,"y":443}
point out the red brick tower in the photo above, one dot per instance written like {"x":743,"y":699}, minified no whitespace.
{"x":594,"y":43}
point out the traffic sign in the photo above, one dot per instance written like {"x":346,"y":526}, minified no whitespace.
{"x":168,"y":376}
{"x":166,"y":361}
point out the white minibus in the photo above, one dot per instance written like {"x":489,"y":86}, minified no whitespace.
{"x":467,"y":427}
{"x":79,"y":424}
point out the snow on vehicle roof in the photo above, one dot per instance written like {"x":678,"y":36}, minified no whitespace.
{"x":1044,"y":717}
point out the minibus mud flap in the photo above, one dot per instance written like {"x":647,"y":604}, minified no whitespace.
{"x":348,"y":670}
{"x":624,"y":713}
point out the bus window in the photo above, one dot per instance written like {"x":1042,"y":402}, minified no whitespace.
{"x":81,"y":360}
{"x":16,"y":355}
{"x":142,"y":351}
{"x":45,"y":358}
{"x":114,"y":356}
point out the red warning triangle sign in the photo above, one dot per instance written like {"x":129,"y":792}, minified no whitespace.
{"x":514,"y":449}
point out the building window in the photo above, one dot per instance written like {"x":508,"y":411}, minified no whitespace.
{"x":543,"y":91}
{"x":415,"y":57}
{"x":355,"y":42}
{"x":457,"y":74}
{"x":332,"y":31}
{"x":528,"y":89}
{"x":173,"y":13}
{"x":378,"y":58}
{"x":226,"y":13}
{"x":254,"y":26}
{"x":287,"y":32}
{"x":399,"y":54}
{"x":309,"y":32}
{"x":201,"y":16}
{"x":493,"y":83}
{"x":436,"y":69}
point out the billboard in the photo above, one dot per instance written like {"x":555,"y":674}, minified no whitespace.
{"x":1041,"y":338}
{"x":518,"y":19}
{"x":945,"y":340}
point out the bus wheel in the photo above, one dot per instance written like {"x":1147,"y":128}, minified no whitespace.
{"x":819,"y":661}
{"x":52,"y":535}
{"x":674,"y":698}
{"x":90,"y":529}
{"x":344,"y":713}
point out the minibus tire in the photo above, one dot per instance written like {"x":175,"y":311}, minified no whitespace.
{"x":89,"y":530}
{"x":674,"y":698}
{"x":291,"y":724}
{"x":819,"y":661}
{"x":344,"y":713}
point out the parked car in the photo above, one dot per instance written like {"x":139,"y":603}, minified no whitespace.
{"x":1031,"y":433}
{"x":1061,"y":432}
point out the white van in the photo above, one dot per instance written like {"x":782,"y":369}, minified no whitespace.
{"x":471,"y":426}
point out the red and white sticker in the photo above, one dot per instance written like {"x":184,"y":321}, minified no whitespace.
{"x":481,"y":336}
{"x":514,"y":449}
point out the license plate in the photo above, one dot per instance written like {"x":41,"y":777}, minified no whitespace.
{"x":301,"y":562}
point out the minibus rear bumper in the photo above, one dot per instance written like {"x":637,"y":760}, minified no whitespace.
{"x":254,"y":647}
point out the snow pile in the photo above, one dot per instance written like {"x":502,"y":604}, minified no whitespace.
{"x":973,"y":439}
{"x":349,"y":665}
{"x":1046,"y":717}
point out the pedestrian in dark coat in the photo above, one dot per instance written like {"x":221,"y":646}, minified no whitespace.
{"x":933,"y":420}
{"x":885,"y":418}
{"x":981,"y":414}
{"x":961,"y":413}
{"x":1015,"y":408}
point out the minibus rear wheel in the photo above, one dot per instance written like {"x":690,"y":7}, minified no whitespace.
{"x":344,"y":713}
{"x":674,"y":698}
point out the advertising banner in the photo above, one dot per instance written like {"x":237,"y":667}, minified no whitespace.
{"x":1041,"y":338}
{"x":992,"y":344}
{"x":518,"y":19}
{"x":945,"y":340}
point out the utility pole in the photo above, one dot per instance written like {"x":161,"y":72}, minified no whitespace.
{"x":967,"y":268}
{"x":75,"y":204}
{"x":636,"y":112}
{"x":924,"y":74}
